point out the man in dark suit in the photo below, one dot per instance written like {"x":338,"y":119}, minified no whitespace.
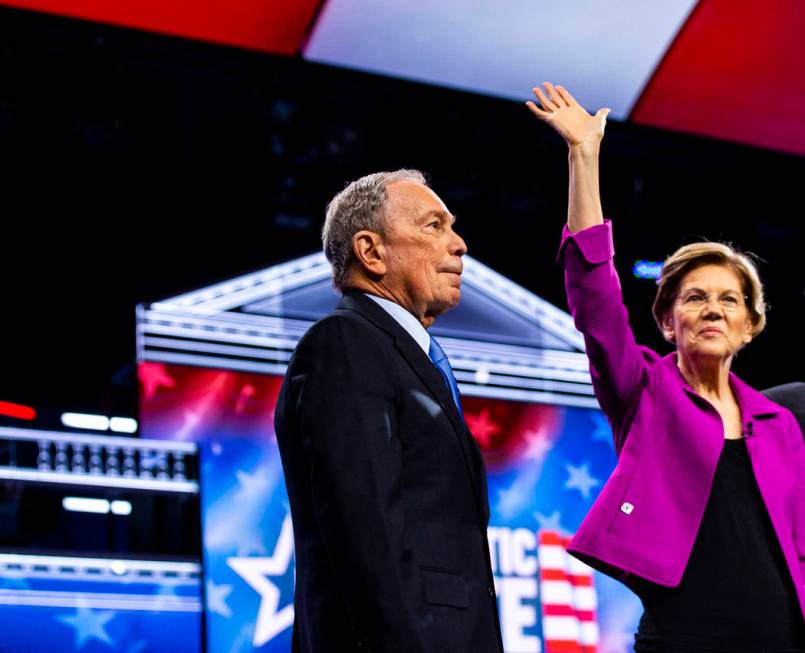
{"x":386,"y":484}
{"x":791,"y":396}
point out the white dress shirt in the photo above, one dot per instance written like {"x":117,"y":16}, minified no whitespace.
{"x":405,"y":320}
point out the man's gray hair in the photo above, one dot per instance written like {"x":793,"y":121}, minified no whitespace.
{"x":362,"y":205}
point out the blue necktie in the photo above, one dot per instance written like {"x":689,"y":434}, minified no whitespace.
{"x":439,"y":358}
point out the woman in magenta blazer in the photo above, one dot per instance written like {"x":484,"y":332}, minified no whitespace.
{"x":704,"y":515}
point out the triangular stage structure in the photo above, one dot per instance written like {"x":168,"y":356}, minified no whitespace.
{"x":503,"y":341}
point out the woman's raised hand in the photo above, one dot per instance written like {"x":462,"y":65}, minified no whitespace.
{"x":559,"y":108}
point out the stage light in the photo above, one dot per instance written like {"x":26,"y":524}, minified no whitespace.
{"x":482,"y":376}
{"x":118,"y":567}
{"x":96,"y":506}
{"x":17,"y":410}
{"x":85,"y":421}
{"x":121,"y":508}
{"x":123,"y":424}
{"x":647,"y":269}
{"x":84,"y":504}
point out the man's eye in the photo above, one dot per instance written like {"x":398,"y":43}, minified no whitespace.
{"x":436,"y":223}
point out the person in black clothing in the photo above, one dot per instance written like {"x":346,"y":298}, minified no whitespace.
{"x":791,"y":396}
{"x":386,"y":485}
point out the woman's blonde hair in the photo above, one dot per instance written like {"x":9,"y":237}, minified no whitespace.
{"x":695,"y":255}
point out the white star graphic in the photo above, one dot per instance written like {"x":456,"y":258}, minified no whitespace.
{"x":579,"y":478}
{"x":550,"y":522}
{"x":216,"y":598}
{"x":252,"y":485}
{"x":509,"y":501}
{"x":270,"y":622}
{"x":537,"y":444}
{"x":89,"y":625}
{"x":602,"y":432}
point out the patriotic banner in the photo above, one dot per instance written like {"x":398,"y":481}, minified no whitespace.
{"x":569,"y":600}
{"x":546,"y":465}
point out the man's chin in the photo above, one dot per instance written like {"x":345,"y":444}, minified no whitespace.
{"x":445,"y":303}
{"x":452,"y":300}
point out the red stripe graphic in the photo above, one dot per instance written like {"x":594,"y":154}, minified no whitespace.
{"x":277,"y":26}
{"x":567,"y":623}
{"x":736,"y":71}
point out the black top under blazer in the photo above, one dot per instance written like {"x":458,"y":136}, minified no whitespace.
{"x":388,"y":495}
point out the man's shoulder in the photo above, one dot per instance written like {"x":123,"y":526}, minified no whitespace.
{"x":345,"y":328}
{"x":341,"y":320}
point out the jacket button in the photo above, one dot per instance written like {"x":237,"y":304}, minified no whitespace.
{"x":491,"y":591}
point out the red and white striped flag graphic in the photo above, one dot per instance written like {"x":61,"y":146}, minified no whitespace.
{"x":569,"y":601}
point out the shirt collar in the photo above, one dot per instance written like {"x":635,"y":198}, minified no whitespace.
{"x":405,"y":320}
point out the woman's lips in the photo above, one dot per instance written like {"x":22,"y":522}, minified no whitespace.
{"x":711,"y":331}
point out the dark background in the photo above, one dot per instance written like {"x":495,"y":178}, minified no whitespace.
{"x":138,"y":166}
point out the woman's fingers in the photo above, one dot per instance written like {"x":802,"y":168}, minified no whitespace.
{"x":557,"y":99}
{"x":547,"y":104}
{"x":602,"y":114}
{"x":556,"y":106}
{"x":567,"y":98}
{"x":539,"y":113}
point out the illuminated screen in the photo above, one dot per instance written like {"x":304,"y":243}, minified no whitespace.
{"x":62,"y":604}
{"x":546,"y":466}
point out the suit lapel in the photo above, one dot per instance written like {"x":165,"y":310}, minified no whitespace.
{"x":424,"y":369}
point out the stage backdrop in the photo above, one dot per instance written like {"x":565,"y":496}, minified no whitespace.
{"x":210,"y":370}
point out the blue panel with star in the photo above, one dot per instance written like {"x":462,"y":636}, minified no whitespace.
{"x":248,"y":547}
{"x":89,"y":605}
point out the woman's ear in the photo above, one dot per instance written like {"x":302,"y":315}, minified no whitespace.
{"x":668,"y":328}
{"x":747,"y":337}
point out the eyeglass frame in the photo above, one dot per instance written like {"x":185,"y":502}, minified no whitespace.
{"x":681,"y":299}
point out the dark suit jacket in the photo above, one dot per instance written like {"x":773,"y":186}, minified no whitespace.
{"x":791,"y":396}
{"x":388,"y":495}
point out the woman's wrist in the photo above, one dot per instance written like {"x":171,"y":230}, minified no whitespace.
{"x":585,"y":151}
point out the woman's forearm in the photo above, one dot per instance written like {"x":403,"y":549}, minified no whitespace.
{"x":584,"y":196}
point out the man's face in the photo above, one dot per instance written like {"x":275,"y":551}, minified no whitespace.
{"x":423,"y":253}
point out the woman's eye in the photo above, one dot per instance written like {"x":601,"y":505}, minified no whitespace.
{"x":694,"y":298}
{"x":729,"y":299}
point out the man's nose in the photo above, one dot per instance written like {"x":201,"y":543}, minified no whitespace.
{"x":457,"y":246}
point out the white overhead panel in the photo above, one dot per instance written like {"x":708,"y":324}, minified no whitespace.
{"x":604,"y":51}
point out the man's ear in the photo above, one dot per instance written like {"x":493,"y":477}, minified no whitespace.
{"x":367,"y":246}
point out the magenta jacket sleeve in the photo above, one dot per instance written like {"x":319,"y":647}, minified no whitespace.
{"x":617,"y":364}
{"x":799,"y":492}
